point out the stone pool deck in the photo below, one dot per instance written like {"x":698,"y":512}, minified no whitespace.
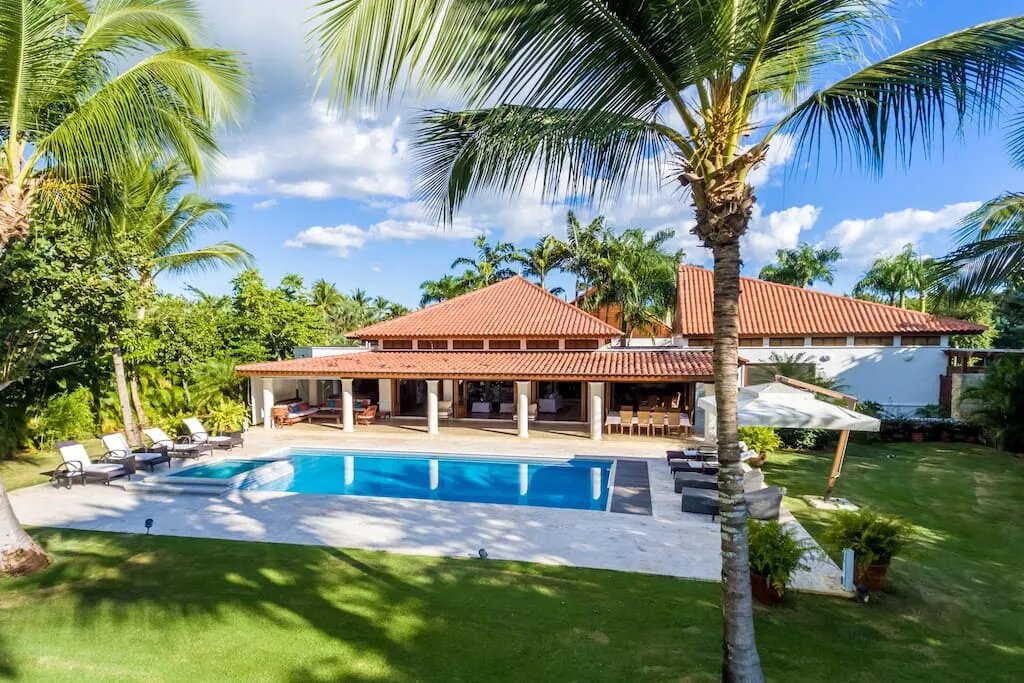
{"x":666,"y":542}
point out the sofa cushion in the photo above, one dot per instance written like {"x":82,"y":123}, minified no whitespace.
{"x":766,"y":503}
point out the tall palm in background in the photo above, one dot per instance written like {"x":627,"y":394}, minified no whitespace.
{"x":547,"y":255}
{"x":447,"y":287}
{"x":90,"y":90}
{"x":581,"y":246}
{"x":154,"y":225}
{"x":892,"y":278}
{"x":601,"y":95}
{"x":491,"y":263}
{"x":634,"y":272}
{"x":802,"y":266}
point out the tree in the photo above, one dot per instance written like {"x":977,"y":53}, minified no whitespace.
{"x":1001,"y":402}
{"x":90,"y":90}
{"x":491,"y":262}
{"x":893,"y":277}
{"x":632,"y":271}
{"x":802,"y":266}
{"x":448,"y":287}
{"x":548,"y":254}
{"x":597,"y":95}
{"x":581,"y":244}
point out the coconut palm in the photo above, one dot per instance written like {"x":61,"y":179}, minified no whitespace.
{"x":490,"y":264}
{"x":325,"y":297}
{"x":582,"y":244}
{"x":893,"y":277}
{"x":90,"y":90}
{"x":597,"y":96}
{"x":448,"y":287}
{"x":991,"y":251}
{"x":548,"y":254}
{"x":802,"y":266}
{"x":633,"y":272}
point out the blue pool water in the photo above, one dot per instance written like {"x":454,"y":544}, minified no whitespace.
{"x":219,"y":470}
{"x":580,"y":484}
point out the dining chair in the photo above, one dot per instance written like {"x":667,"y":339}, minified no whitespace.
{"x":625,"y":419}
{"x":658,"y":420}
{"x":673,"y":422}
{"x":643,"y":418}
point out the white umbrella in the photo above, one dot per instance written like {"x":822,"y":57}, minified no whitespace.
{"x":782,"y":405}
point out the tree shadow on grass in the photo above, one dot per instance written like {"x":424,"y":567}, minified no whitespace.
{"x":327,"y":614}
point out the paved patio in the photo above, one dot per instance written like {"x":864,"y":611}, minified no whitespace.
{"x":668,"y":542}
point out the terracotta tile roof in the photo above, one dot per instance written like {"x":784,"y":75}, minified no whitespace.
{"x":510,"y":308}
{"x":522,"y":365}
{"x":767,"y":308}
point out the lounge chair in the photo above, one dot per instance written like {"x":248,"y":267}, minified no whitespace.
{"x":117,"y":447}
{"x":701,"y":466}
{"x":77,"y":463}
{"x":700,"y":501}
{"x":753,"y":480}
{"x":199,"y":434}
{"x":182,"y":447}
{"x":367,"y":417}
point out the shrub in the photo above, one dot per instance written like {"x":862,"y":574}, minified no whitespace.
{"x":1001,"y":398}
{"x":65,"y":416}
{"x":760,"y":439}
{"x":774,"y":553}
{"x":226,"y":416}
{"x":874,"y":537}
{"x":807,"y":439}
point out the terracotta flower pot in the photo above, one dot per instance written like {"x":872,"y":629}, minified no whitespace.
{"x":872,"y":575}
{"x":763,"y":591}
{"x":917,"y":437}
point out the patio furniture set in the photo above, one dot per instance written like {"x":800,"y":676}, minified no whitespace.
{"x":695,"y":477}
{"x":650,"y":420}
{"x":121,"y":460}
{"x":290,"y":412}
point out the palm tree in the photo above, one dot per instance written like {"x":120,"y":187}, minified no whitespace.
{"x":325,"y":297}
{"x":90,"y":90}
{"x":448,"y":287}
{"x":893,"y":277}
{"x":595,"y":96}
{"x":548,"y":254}
{"x":634,"y":272}
{"x":581,"y":245}
{"x":491,"y":263}
{"x":802,"y":266}
{"x":154,"y":226}
{"x":991,"y":251}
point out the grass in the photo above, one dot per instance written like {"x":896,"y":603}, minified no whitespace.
{"x":122,"y":607}
{"x":29,"y":468}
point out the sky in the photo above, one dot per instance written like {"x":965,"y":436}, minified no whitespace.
{"x":333,"y":197}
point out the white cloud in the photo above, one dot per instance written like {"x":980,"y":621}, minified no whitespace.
{"x":776,"y":230}
{"x":340,"y":239}
{"x":265,"y":204}
{"x":864,"y":239}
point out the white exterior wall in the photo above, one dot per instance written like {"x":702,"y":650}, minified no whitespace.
{"x":900,"y":378}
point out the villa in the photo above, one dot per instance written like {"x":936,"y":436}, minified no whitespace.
{"x":514,"y":352}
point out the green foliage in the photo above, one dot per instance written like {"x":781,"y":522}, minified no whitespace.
{"x":874,"y":537}
{"x":215,"y":381}
{"x":1009,"y":318}
{"x":774,"y":552}
{"x":806,"y":439}
{"x":67,"y":415}
{"x":892,"y":278}
{"x":225,"y":416}
{"x":761,"y":439}
{"x":1001,"y":403}
{"x":976,"y":309}
{"x":802,"y":266}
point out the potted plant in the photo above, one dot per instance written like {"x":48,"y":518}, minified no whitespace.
{"x":774,"y":556}
{"x":875,"y":538}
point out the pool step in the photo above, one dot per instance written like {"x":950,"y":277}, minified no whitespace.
{"x":163,"y":486}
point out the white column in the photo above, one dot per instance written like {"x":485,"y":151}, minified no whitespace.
{"x":311,"y":392}
{"x":523,"y":408}
{"x":347,"y":417}
{"x":432,"y":406}
{"x":268,"y":402}
{"x":256,"y":400}
{"x":596,"y":409}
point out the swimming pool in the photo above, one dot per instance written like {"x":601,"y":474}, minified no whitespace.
{"x":580,"y":484}
{"x":223,"y":470}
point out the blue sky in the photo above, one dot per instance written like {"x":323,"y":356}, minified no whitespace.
{"x":332,"y":198}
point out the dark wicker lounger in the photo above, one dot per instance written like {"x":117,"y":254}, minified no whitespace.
{"x":700,"y":501}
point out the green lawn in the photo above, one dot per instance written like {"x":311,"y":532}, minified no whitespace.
{"x":118,"y":607}
{"x":28,"y":468}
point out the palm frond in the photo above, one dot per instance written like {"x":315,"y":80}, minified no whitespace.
{"x":204,"y":258}
{"x":992,"y":246}
{"x":564,"y":151}
{"x":906,"y":101}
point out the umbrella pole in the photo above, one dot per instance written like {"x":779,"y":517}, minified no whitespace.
{"x":837,"y":461}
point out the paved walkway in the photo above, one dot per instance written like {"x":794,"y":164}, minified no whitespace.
{"x":667,"y":542}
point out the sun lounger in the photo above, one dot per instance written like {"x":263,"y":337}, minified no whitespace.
{"x":702,"y":466}
{"x":753,"y":480}
{"x":182,"y":447}
{"x":700,"y":501}
{"x":77,"y":463}
{"x":117,"y":447}
{"x":200,"y":435}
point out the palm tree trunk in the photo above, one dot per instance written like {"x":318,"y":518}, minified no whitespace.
{"x":121,"y":383}
{"x":133,"y":386}
{"x":740,"y":661}
{"x":19,"y":554}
